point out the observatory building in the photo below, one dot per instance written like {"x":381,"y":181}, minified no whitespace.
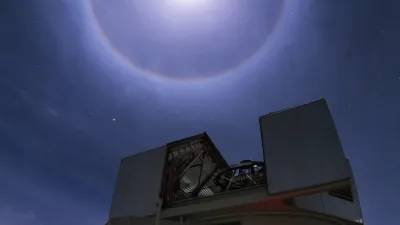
{"x":304,"y":179}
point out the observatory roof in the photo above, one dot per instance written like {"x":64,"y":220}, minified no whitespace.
{"x":213,"y":152}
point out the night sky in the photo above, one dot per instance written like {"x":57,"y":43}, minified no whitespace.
{"x":85,"y":83}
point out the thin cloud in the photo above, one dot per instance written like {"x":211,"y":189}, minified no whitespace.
{"x":12,"y":216}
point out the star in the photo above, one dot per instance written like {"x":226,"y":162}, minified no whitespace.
{"x":113,"y":119}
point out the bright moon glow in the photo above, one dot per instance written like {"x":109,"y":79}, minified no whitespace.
{"x":188,"y":2}
{"x":186,"y":39}
{"x":188,"y":6}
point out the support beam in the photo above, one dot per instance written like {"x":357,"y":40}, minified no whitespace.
{"x":191,"y":164}
{"x":200,"y":186}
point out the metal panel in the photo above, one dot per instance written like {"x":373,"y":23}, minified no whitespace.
{"x":341,"y":208}
{"x":266,"y":218}
{"x":225,"y":200}
{"x":313,"y":202}
{"x":138,"y":184}
{"x":140,"y":221}
{"x":324,"y":203}
{"x":291,"y":219}
{"x":358,"y":211}
{"x":302,"y":150}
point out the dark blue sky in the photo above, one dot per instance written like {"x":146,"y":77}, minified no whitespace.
{"x":71,"y":107}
